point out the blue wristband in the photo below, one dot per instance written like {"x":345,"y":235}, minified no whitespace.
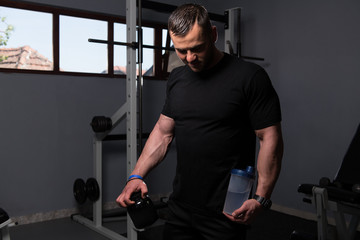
{"x":135,"y":176}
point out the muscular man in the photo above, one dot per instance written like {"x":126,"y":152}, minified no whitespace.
{"x":216,"y":106}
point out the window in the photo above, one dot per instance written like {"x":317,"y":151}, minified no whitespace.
{"x":57,"y":41}
{"x":119,"y":50}
{"x":77,"y":54}
{"x":29,"y":27}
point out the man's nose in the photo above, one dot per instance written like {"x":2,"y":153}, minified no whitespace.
{"x":190,"y":56}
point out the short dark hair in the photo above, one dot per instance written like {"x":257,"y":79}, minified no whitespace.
{"x":185,"y":16}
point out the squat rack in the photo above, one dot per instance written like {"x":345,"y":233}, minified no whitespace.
{"x":128,"y":111}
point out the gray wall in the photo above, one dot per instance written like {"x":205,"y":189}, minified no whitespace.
{"x":312,"y":51}
{"x":311,"y":54}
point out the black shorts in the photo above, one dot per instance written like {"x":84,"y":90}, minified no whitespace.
{"x":183,"y":224}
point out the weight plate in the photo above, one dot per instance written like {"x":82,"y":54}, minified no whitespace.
{"x":92,"y":189}
{"x":79,"y":190}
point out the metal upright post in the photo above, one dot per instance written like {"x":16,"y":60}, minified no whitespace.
{"x":140,"y":76}
{"x":233,"y":32}
{"x":320,"y":199}
{"x":4,"y":230}
{"x":97,"y":154}
{"x":131,"y":123}
{"x":129,"y":110}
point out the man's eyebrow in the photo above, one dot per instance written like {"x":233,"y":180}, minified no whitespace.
{"x":191,"y":48}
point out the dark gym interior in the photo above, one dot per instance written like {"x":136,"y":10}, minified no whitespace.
{"x":310,"y":49}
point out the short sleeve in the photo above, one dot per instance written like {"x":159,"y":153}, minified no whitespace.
{"x":263,"y":101}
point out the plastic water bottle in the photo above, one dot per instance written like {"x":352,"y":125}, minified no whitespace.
{"x":240,"y":185}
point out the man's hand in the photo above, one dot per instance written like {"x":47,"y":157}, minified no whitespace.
{"x":135,"y":185}
{"x":247,"y":213}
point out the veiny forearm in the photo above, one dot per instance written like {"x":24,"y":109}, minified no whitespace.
{"x":156,"y":146}
{"x":269,"y":160}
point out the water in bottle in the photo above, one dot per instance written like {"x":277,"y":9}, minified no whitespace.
{"x":240,"y":185}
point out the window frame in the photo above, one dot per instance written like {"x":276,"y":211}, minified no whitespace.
{"x":159,"y":72}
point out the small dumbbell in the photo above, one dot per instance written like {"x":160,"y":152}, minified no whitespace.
{"x":86,"y":190}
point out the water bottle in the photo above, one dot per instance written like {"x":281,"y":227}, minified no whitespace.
{"x":240,"y":185}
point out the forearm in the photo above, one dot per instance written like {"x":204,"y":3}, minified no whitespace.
{"x":155,"y":148}
{"x":269,"y":161}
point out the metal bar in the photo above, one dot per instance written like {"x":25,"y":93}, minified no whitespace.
{"x":135,"y":45}
{"x":116,"y":137}
{"x":97,"y":206}
{"x":238,"y":44}
{"x":320,"y":201}
{"x":140,"y":78}
{"x":4,"y":230}
{"x":159,"y":47}
{"x":56,"y":42}
{"x":254,"y":58}
{"x":131,"y":126}
{"x":232,"y":32}
{"x":110,"y":48}
{"x":132,"y":44}
{"x":102,"y":230}
{"x":119,"y":115}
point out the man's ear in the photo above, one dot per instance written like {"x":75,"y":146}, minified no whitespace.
{"x":214,"y":34}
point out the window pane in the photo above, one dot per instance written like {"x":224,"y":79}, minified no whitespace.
{"x":119,"y":51}
{"x":29,"y":45}
{"x":164,"y":37}
{"x":77,"y":54}
{"x":148,"y":53}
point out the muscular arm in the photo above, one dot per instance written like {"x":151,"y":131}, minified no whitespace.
{"x":268,"y":166}
{"x":153,"y":153}
{"x":156,"y":146}
{"x":269,"y":159}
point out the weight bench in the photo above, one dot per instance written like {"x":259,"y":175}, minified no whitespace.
{"x":4,"y":225}
{"x":341,"y":196}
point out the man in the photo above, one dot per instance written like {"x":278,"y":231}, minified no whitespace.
{"x":216,"y":106}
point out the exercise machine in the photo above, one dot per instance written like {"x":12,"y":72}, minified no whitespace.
{"x":340,"y":196}
{"x":5,"y":222}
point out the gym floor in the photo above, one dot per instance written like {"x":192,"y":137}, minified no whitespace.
{"x":271,"y":225}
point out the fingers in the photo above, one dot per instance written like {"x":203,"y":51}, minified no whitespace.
{"x":239,"y":218}
{"x":246,"y":214}
{"x":134,"y":186}
{"x":124,"y":199}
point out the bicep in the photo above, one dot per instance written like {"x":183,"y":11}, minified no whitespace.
{"x":165,"y":125}
{"x":270,"y":134}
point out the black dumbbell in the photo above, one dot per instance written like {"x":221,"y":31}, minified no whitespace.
{"x":101,"y":124}
{"x":86,"y":190}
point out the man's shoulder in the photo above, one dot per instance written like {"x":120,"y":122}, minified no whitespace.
{"x":241,"y":63}
{"x":177,"y":73}
{"x":241,"y":68}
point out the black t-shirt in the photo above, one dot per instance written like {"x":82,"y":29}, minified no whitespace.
{"x":216,"y":112}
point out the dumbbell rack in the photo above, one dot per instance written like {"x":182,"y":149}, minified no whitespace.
{"x":127,"y":111}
